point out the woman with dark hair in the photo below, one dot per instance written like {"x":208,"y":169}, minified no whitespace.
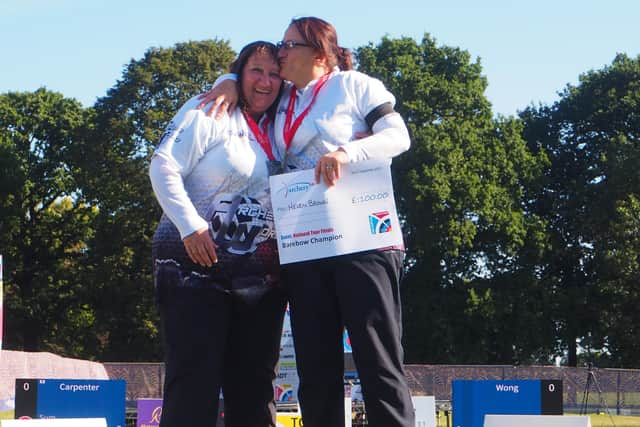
{"x":215,"y":257}
{"x":322,"y":112}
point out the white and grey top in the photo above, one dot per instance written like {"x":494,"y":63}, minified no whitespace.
{"x":342,"y":109}
{"x":213,"y":173}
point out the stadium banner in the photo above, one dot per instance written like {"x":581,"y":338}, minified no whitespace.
{"x":287,"y":381}
{"x":148,"y":412}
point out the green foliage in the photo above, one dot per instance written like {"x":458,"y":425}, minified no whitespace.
{"x":77,"y":213}
{"x":44,"y":223}
{"x":460,"y":192}
{"x":523,"y":233}
{"x":589,"y":197}
{"x":126,"y":125}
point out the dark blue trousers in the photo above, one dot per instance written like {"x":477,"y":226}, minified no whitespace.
{"x":361,"y":292}
{"x":211,"y":343}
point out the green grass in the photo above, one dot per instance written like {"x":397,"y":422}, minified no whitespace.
{"x":6,"y":415}
{"x":620,"y":420}
{"x":610,"y":398}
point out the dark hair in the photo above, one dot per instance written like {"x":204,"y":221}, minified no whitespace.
{"x":323,"y":38}
{"x":237,"y":67}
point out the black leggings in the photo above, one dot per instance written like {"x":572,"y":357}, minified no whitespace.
{"x":213,"y":342}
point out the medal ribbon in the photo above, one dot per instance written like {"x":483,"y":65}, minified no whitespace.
{"x":261,"y":136}
{"x":289,"y":130}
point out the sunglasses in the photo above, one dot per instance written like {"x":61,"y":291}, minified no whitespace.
{"x":290,"y":45}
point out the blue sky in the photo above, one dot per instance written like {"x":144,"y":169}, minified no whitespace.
{"x":529,"y":50}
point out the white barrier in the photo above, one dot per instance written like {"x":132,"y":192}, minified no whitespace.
{"x":425,"y":410}
{"x":536,"y":421}
{"x":347,"y":411}
{"x":56,"y":422}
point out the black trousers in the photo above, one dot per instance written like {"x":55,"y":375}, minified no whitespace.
{"x":213,"y":342}
{"x":361,"y":292}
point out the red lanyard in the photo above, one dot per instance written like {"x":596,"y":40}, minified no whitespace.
{"x":261,"y":136}
{"x":289,"y":130}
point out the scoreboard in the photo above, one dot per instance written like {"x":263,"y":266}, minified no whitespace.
{"x":472,"y":399}
{"x":58,"y":398}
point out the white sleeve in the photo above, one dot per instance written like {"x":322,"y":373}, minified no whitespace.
{"x":390,"y":135}
{"x":370,"y":93}
{"x":169,"y":190}
{"x":224,"y":77}
{"x":390,"y":138}
{"x":183,"y":144}
{"x":220,"y":79}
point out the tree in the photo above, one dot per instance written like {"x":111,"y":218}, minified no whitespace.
{"x":590,"y":202}
{"x":44,"y":224}
{"x":127,"y":124}
{"x":460,"y":192}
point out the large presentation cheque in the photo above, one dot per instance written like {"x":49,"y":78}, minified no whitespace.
{"x":357,"y":214}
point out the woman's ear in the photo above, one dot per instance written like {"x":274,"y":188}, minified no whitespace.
{"x":321,"y":61}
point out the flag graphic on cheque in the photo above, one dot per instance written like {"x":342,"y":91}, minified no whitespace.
{"x":380,"y":222}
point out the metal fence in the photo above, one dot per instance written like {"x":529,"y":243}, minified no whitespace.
{"x":617,"y":390}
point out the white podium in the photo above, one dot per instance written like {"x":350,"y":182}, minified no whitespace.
{"x":536,"y":421}
{"x":425,"y":407}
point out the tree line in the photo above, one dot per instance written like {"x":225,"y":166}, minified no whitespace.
{"x":522,"y":233}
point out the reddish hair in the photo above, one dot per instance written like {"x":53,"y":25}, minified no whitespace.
{"x":323,"y":38}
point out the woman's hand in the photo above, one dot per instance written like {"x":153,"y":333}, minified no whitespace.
{"x":223,"y":97}
{"x":201,"y":248}
{"x":329,"y":167}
